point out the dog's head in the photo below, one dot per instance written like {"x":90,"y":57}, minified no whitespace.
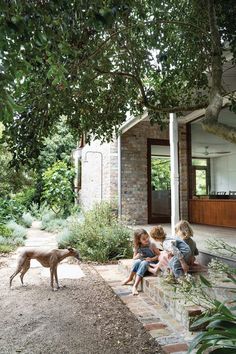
{"x":74,"y":253}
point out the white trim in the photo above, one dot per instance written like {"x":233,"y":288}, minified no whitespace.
{"x":174,"y":167}
{"x":119,"y":177}
{"x":132,"y":122}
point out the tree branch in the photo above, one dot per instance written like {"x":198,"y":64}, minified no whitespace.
{"x":156,"y":21}
{"x":146,"y":103}
{"x":216,"y":100}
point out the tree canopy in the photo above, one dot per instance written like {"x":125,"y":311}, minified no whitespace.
{"x":92,"y":61}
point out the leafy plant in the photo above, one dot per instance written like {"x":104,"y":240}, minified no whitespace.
{"x":5,"y":231}
{"x":26,"y":219}
{"x":220,"y":332}
{"x":219,"y":317}
{"x":12,"y":235}
{"x":98,"y":235}
{"x":10,"y":209}
{"x":17,"y":230}
{"x":58,"y":191}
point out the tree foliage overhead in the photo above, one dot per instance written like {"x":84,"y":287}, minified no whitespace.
{"x":93,"y":61}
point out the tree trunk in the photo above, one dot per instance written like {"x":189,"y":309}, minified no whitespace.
{"x":210,"y":122}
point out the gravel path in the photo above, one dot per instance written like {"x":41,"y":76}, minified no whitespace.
{"x":83,"y":317}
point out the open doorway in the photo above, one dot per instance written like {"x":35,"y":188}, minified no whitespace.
{"x":159,"y":193}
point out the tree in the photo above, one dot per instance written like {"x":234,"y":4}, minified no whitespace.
{"x":57,"y":147}
{"x":12,"y":181}
{"x":58,"y":191}
{"x":94,"y":61}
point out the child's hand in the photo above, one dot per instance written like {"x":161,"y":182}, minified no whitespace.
{"x":137,"y":256}
{"x":148,"y":259}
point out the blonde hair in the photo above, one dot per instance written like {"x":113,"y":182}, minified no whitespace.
{"x":158,"y":233}
{"x":184,"y":228}
{"x":137,"y":237}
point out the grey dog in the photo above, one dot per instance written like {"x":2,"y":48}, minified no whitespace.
{"x":48,"y":258}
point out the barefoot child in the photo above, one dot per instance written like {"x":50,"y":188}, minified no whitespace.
{"x":144,"y":253}
{"x":177,"y":253}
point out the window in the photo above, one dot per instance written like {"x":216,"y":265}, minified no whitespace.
{"x":200,"y":176}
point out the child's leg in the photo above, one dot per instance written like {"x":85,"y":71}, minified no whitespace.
{"x":134,"y":270}
{"x":129,"y":278}
{"x":176,"y":267}
{"x":136,"y":283}
{"x":143,"y":266}
{"x":155,"y":269}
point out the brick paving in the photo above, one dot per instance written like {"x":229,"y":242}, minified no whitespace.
{"x":169,"y":333}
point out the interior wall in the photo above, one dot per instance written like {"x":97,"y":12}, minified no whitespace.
{"x":223,"y":173}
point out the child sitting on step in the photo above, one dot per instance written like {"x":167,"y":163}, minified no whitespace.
{"x":176,"y":254}
{"x":185,"y":231}
{"x":145,"y":253}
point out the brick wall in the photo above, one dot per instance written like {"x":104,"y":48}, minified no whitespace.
{"x":183,"y":172}
{"x":134,"y":169}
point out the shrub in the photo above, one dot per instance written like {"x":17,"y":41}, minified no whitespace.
{"x":66,"y":239}
{"x":46,"y":218}
{"x":10,"y":209}
{"x":99,"y":236}
{"x":5,"y":231}
{"x":26,"y":219}
{"x":54,"y":225}
{"x":11,"y":236}
{"x":18,"y":231}
{"x":25,"y":198}
{"x":5,"y":248}
{"x":34,"y":210}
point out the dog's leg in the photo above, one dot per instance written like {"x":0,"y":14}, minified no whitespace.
{"x":19,"y":267}
{"x":52,"y":277}
{"x":56,"y":277}
{"x":25,"y":268}
{"x":13,"y":275}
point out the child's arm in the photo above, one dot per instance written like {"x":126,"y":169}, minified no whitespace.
{"x":176,"y":251}
{"x":136,"y":255}
{"x":155,"y":258}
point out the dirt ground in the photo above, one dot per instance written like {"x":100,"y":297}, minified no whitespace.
{"x":83,"y":317}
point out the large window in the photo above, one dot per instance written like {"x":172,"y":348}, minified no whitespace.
{"x":213,"y":161}
{"x":159,"y":178}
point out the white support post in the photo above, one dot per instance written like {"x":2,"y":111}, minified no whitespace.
{"x":119,"y":178}
{"x":174,"y":168}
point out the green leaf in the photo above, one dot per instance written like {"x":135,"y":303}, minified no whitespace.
{"x":205,"y":281}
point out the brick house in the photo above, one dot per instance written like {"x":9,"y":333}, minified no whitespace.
{"x":202,"y":170}
{"x":203,"y":180}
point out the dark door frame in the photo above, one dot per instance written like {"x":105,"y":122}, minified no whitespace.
{"x":151,"y":219}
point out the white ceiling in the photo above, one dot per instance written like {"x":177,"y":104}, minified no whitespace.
{"x":201,"y":139}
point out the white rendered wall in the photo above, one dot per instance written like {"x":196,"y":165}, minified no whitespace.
{"x":95,"y":174}
{"x":223,"y":173}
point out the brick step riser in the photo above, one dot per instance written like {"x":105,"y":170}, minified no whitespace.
{"x":165,"y":296}
{"x":153,"y":288}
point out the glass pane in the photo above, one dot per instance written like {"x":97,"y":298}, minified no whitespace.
{"x":160,"y":181}
{"x":201,"y":182}
{"x":199,"y":162}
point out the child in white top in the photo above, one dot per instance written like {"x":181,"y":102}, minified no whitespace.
{"x":176,"y":253}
